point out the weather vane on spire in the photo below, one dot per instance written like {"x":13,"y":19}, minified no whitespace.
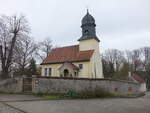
{"x":87,"y":8}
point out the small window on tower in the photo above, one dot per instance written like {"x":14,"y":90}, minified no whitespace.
{"x":86,"y":31}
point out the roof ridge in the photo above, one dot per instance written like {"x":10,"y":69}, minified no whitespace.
{"x":87,"y":50}
{"x":66,"y":46}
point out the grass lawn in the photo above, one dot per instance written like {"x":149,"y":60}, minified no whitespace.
{"x":97,"y":93}
{"x":86,"y":94}
{"x":49,"y":96}
{"x":52,"y":96}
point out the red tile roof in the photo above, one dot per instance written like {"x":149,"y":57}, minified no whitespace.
{"x":68,"y":54}
{"x":137,"y":78}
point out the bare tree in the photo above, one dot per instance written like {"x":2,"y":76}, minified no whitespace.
{"x":128,"y":57}
{"x":24,"y":52}
{"x":113,"y":61}
{"x":145,"y":51}
{"x":114,"y":57}
{"x":136,"y":60}
{"x":11,"y":30}
{"x":44,"y":48}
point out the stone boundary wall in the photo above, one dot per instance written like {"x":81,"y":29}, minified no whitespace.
{"x":12,"y":85}
{"x":63,"y":85}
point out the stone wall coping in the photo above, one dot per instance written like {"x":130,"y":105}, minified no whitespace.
{"x":89,"y":79}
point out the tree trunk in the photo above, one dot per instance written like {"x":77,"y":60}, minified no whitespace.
{"x":6,"y":63}
{"x":4,"y":74}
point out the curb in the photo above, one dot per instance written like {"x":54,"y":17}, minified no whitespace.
{"x":23,"y":100}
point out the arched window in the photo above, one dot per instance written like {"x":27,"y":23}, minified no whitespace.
{"x":66,"y":73}
{"x":86,"y":32}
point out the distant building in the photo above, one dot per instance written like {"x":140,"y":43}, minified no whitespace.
{"x":81,"y":60}
{"x":136,"y":78}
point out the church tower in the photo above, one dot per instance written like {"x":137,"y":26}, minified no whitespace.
{"x":88,"y":28}
{"x":89,"y":41}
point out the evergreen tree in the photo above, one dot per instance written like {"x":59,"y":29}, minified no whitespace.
{"x":32,"y":67}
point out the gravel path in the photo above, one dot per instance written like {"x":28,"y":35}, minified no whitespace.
{"x":4,"y":108}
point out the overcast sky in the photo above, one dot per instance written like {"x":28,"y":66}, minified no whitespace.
{"x":121,"y":24}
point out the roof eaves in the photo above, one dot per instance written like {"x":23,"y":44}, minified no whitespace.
{"x":65,"y":61}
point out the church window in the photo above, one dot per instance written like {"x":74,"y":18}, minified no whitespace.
{"x":80,"y":66}
{"x":75,"y":74}
{"x":45,"y":71}
{"x":50,"y":71}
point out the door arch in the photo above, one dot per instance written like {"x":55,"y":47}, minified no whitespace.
{"x":66,"y":73}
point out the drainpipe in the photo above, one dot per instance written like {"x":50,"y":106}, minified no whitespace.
{"x":95,"y":69}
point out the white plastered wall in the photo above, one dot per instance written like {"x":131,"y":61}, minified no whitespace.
{"x":95,"y":61}
{"x":83,"y":73}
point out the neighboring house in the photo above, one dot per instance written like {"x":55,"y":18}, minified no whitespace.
{"x":82,"y":61}
{"x":38,"y":69}
{"x":136,"y":78}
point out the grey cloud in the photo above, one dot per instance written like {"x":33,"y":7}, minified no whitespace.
{"x":119,"y":22}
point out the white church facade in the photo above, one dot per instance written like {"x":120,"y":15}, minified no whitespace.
{"x":80,"y":61}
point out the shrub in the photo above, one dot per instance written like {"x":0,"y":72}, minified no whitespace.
{"x":89,"y":93}
{"x":72,"y":94}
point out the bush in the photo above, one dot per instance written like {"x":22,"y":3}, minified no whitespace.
{"x":39,"y":94}
{"x":72,"y":94}
{"x":84,"y":94}
{"x":88,"y":93}
{"x":49,"y":96}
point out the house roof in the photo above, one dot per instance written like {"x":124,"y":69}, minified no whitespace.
{"x":67,"y":54}
{"x":137,"y":78}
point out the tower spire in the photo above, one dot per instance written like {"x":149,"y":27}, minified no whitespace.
{"x":87,"y":10}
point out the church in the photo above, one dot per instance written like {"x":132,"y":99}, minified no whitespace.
{"x":76,"y":61}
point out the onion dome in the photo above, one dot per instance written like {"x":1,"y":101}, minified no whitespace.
{"x":88,"y":28}
{"x":88,"y":19}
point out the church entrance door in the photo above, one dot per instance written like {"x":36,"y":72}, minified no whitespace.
{"x":66,"y":73}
